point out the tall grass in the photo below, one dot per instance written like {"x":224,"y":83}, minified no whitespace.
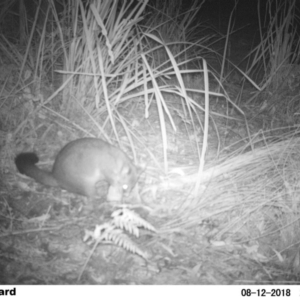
{"x":107,"y":53}
{"x":279,"y":48}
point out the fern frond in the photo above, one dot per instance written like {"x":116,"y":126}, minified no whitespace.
{"x":129,"y":220}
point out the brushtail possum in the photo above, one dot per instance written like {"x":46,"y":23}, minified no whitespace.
{"x":80,"y":165}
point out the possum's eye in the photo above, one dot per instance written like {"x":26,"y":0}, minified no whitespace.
{"x":125,"y":187}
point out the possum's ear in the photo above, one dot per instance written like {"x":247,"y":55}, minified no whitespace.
{"x":140,"y":169}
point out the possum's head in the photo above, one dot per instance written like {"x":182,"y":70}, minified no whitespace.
{"x":129,"y":177}
{"x":125,"y":183}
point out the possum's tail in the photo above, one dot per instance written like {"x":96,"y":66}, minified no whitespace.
{"x":25,"y":163}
